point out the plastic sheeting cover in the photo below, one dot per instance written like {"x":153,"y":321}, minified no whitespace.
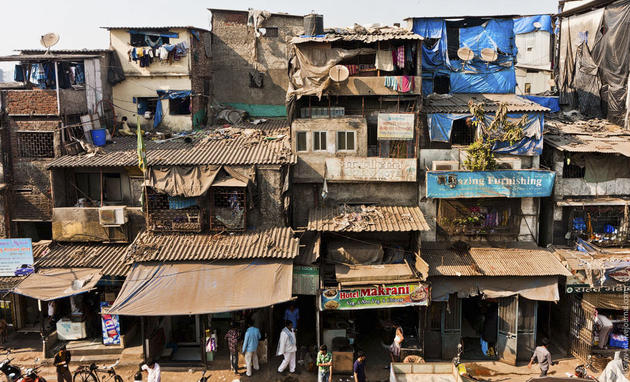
{"x":436,"y":55}
{"x":494,"y":34}
{"x":483,"y":78}
{"x":526,"y":24}
{"x":441,"y":124}
{"x":552,"y":103}
{"x":171,"y":94}
{"x":170,"y":289}
{"x":541,"y":288}
{"x":55,"y":283}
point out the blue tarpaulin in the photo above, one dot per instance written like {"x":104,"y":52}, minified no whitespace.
{"x":526,"y":24}
{"x":441,"y":124}
{"x":494,"y":79}
{"x":427,"y":86}
{"x":171,"y":94}
{"x":436,"y":55}
{"x":553,"y":103}
{"x":153,"y":33}
{"x":490,"y":184}
{"x":495,"y":34}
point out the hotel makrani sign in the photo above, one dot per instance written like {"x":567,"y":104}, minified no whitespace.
{"x":490,"y":184}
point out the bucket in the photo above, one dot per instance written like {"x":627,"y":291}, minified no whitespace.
{"x":99,"y":137}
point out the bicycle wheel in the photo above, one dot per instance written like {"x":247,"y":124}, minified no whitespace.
{"x":118,"y":378}
{"x":84,"y":376}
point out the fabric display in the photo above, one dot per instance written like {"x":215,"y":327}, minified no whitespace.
{"x":170,"y":53}
{"x":402,"y":84}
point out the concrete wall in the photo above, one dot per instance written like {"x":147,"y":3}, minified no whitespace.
{"x":233,"y":45}
{"x":72,"y":101}
{"x":539,"y":81}
{"x":534,"y":49}
{"x":125,"y":91}
{"x":311,"y":164}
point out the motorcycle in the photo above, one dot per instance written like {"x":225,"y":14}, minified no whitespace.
{"x":31,"y":375}
{"x":14,"y":373}
{"x":461,"y":368}
{"x":581,"y":371}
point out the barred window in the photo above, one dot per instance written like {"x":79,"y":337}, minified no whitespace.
{"x":36,"y":144}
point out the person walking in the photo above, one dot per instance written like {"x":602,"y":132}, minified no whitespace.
{"x":153,"y":371}
{"x":543,"y":357}
{"x":231,"y":337}
{"x":359,"y":368}
{"x":394,"y":348}
{"x":250,"y":346}
{"x":287,"y":347}
{"x":324,"y":364}
{"x":62,"y":363}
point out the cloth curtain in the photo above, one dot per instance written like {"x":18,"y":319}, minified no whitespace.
{"x":186,"y":181}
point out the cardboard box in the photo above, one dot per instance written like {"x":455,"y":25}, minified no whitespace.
{"x":343,"y":361}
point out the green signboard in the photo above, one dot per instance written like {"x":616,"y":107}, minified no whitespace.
{"x":305,"y":280}
{"x":375,"y":296}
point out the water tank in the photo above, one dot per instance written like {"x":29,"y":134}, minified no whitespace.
{"x":313,"y":24}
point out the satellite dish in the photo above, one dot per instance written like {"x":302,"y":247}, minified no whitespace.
{"x":465,"y":54}
{"x":338,"y":73}
{"x":49,"y":40}
{"x":537,"y":25}
{"x":489,"y":54}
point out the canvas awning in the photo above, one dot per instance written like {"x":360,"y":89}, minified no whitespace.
{"x":532,"y":288}
{"x":55,"y":283}
{"x":171,"y":289}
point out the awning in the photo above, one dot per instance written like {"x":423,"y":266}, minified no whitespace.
{"x":54,"y":283}
{"x":592,"y":202}
{"x":532,"y":288}
{"x":171,"y":289}
{"x":347,"y":275}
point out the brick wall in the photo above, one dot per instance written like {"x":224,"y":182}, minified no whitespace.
{"x":200,"y":72}
{"x":31,"y":102}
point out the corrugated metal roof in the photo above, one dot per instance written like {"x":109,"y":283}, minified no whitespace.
{"x":277,"y":243}
{"x":7,"y":283}
{"x":49,"y":57}
{"x":107,"y":257}
{"x":367,"y":36}
{"x":458,"y":103}
{"x":64,"y":51}
{"x":163,"y":27}
{"x":617,"y":144}
{"x":493,"y":262}
{"x":367,"y":219}
{"x":243,"y":144}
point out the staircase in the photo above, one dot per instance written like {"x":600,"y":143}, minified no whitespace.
{"x":93,"y":351}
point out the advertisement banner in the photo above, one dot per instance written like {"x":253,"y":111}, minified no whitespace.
{"x":16,"y":257}
{"x":490,"y":184}
{"x":370,"y":297}
{"x":395,"y":126}
{"x":371,"y":169}
{"x":110,"y":324}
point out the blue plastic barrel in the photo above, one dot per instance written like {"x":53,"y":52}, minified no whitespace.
{"x":99,"y":137}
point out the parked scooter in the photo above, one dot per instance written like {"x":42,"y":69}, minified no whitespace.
{"x":14,"y":373}
{"x":31,"y":375}
{"x":461,"y":368}
{"x":581,"y":371}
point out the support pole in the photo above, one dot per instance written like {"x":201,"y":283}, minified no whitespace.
{"x":317,"y":328}
{"x":57,"y":87}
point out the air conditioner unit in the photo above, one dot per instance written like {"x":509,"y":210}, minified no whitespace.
{"x":112,"y":216}
{"x":509,"y":163}
{"x":444,"y":165}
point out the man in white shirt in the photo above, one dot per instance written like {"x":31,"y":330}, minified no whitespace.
{"x":153,"y":371}
{"x":287,"y":347}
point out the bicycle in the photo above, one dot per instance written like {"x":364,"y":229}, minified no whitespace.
{"x":91,"y":374}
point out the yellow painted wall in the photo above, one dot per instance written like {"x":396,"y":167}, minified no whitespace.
{"x":131,"y":87}
{"x":120,"y":42}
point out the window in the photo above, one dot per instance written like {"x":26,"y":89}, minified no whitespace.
{"x":345,"y":141}
{"x":179,"y":106}
{"x":442,"y":84}
{"x":228,"y":208}
{"x":141,"y":39}
{"x":146,"y":104}
{"x":36,"y":144}
{"x":301,"y":141}
{"x":528,"y":88}
{"x":270,"y":32}
{"x":89,"y":187}
{"x":462,"y":133}
{"x":319,"y":141}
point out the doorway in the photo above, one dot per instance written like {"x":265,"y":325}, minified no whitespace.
{"x":479,"y":327}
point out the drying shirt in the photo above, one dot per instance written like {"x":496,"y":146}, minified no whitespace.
{"x":542,"y":355}
{"x":154,"y":373}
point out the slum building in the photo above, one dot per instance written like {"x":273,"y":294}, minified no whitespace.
{"x":492,"y":288}
{"x":354,"y":98}
{"x":249,"y":59}
{"x":167,"y":71}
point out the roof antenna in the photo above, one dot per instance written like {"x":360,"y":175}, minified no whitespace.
{"x":49,"y":40}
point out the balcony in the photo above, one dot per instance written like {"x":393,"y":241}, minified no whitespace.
{"x":184,"y":220}
{"x":90,"y":224}
{"x":372,"y":85}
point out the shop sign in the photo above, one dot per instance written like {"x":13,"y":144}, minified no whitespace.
{"x":305,"y":280}
{"x":370,"y":297}
{"x":490,"y":184}
{"x":620,"y":274}
{"x":585,"y":288}
{"x":395,"y":126}
{"x":371,"y":169}
{"x":110,"y":324}
{"x":16,"y":257}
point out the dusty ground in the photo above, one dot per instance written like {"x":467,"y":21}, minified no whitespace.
{"x":26,"y":352}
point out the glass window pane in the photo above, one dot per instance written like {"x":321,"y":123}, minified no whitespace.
{"x":301,"y":141}
{"x":322,"y":140}
{"x":350,"y":139}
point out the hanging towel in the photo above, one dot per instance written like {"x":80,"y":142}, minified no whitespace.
{"x":384,"y":60}
{"x":407,"y":84}
{"x":391,"y":83}
{"x":400,"y":56}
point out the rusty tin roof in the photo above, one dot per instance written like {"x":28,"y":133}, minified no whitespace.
{"x":367,"y":219}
